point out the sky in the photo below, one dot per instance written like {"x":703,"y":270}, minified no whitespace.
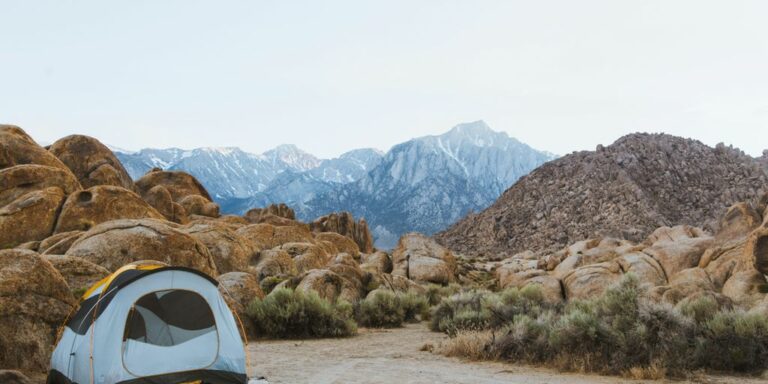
{"x":330,"y":76}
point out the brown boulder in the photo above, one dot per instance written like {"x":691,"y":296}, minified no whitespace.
{"x":30,"y":217}
{"x":738,"y":222}
{"x":377,"y":262}
{"x":273,"y":262}
{"x":116,"y":243}
{"x":746,"y":288}
{"x":199,"y":205}
{"x":79,"y":273}
{"x":684,"y":284}
{"x":349,"y":270}
{"x":326,"y":283}
{"x":16,"y":148}
{"x":34,"y":301}
{"x":230,"y":252}
{"x":592,"y":252}
{"x":13,"y":377}
{"x":91,"y":161}
{"x":19,"y":180}
{"x":647,"y":269}
{"x":344,"y":224}
{"x":240,"y":288}
{"x":551,"y":288}
{"x":257,"y":215}
{"x":421,"y":259}
{"x":59,"y":243}
{"x":678,"y":248}
{"x":306,"y":256}
{"x":512,"y":271}
{"x":260,"y":236}
{"x":590,"y":280}
{"x":179,"y":184}
{"x":340,"y":242}
{"x":291,"y":234}
{"x":159,"y":197}
{"x":757,"y":249}
{"x":84,"y":209}
{"x":396,"y":283}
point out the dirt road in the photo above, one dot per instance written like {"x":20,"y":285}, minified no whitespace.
{"x":393,"y":356}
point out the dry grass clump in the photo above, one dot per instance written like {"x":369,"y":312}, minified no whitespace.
{"x":286,"y":313}
{"x":617,"y":333}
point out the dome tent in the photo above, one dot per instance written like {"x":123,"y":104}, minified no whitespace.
{"x":149,"y":323}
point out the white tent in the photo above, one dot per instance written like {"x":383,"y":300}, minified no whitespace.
{"x":151,"y":324}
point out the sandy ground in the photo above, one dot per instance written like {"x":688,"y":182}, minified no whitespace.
{"x":393,"y":356}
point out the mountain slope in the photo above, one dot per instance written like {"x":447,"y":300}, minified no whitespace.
{"x":639,"y":183}
{"x":427,"y":183}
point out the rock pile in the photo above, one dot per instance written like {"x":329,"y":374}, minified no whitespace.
{"x":625,"y":190}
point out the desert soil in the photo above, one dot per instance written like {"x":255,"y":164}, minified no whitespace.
{"x":394,"y":356}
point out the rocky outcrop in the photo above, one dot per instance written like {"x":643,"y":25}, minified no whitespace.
{"x":421,"y":259}
{"x":306,"y":256}
{"x":184,"y":190}
{"x":240,"y":289}
{"x":273,"y":262}
{"x":34,"y":301}
{"x":625,"y":190}
{"x":13,"y":377}
{"x":79,"y":273}
{"x":18,"y":180}
{"x":344,"y":223}
{"x":17,"y":148}
{"x":326,"y":283}
{"x":159,"y":197}
{"x":257,"y":215}
{"x":59,"y":243}
{"x":87,"y":208}
{"x":377,"y":262}
{"x":340,"y":243}
{"x":230,"y":252}
{"x":119,"y":242}
{"x":30,"y":217}
{"x":91,"y":161}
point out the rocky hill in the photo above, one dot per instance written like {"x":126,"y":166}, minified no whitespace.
{"x":625,"y":190}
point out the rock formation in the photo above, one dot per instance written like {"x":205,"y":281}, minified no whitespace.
{"x":421,"y":259}
{"x":343,"y":223}
{"x":91,"y":161}
{"x":625,"y":190}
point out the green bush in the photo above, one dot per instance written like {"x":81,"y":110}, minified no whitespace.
{"x":463,"y":311}
{"x":286,"y":313}
{"x":415,"y":306}
{"x":733,"y":341}
{"x":436,"y":293}
{"x":384,"y":309}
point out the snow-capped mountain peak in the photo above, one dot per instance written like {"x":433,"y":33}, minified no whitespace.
{"x":292,"y":157}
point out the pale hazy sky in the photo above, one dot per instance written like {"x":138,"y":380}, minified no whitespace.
{"x":336,"y":75}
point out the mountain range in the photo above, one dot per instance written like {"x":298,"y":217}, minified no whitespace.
{"x":422,"y":185}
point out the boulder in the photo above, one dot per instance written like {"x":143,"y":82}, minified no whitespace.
{"x":19,"y":180}
{"x":59,"y":243}
{"x":344,"y":224}
{"x":116,"y":243}
{"x":273,"y":262}
{"x":230,"y":252}
{"x":178,"y":183}
{"x":421,"y":259}
{"x":746,"y":288}
{"x":512,"y":271}
{"x":91,"y":161}
{"x":349,"y":270}
{"x":199,"y":205}
{"x":79,"y":273}
{"x":159,"y":197}
{"x":306,"y":256}
{"x":678,"y":248}
{"x":275,"y":220}
{"x":87,"y":208}
{"x":34,"y":301}
{"x":592,"y":252}
{"x":30,"y":217}
{"x":722,"y":261}
{"x":738,"y":222}
{"x":684,"y":284}
{"x":648,"y":271}
{"x":235,"y":220}
{"x":256,"y":215}
{"x":401,"y":284}
{"x":757,"y":250}
{"x":291,"y":234}
{"x":341,"y":243}
{"x":16,"y":148}
{"x":13,"y":377}
{"x":239,"y":289}
{"x":551,"y":288}
{"x":260,"y":236}
{"x":326,"y":283}
{"x":377,"y":262}
{"x":590,"y":280}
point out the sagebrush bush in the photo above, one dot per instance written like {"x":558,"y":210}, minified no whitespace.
{"x":415,"y":306}
{"x":382,"y":309}
{"x":286,"y":313}
{"x":436,"y":293}
{"x":619,"y":332}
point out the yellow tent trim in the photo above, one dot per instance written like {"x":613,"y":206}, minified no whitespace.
{"x":105,"y":282}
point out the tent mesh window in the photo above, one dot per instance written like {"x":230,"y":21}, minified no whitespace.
{"x":168,"y":318}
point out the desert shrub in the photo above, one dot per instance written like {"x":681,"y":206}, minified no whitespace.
{"x":525,"y":339}
{"x":415,"y":306}
{"x":382,"y":309}
{"x":700,"y":309}
{"x":473,"y":345}
{"x":436,"y":293}
{"x":463,"y":311}
{"x":270,"y":282}
{"x":733,"y":341}
{"x":287,"y":313}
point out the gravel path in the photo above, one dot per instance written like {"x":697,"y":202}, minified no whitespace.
{"x":393,"y":356}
